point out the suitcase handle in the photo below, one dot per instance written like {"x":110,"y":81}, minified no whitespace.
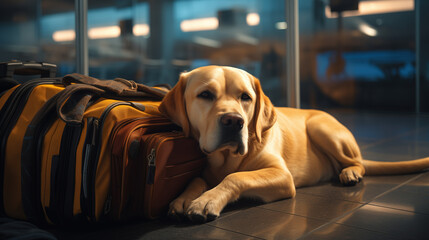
{"x":8,"y":69}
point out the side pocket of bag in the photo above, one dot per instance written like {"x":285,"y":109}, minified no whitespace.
{"x":88,"y":156}
{"x":63,"y":176}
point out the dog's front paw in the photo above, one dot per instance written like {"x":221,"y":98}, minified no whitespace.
{"x":177,"y":209}
{"x":205,"y":208}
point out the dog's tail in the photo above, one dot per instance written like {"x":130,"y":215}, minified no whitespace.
{"x":392,"y":168}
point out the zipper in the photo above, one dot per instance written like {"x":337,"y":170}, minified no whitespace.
{"x":92,"y":129}
{"x":70,"y":172}
{"x":16,"y":102}
{"x":151,"y":167}
{"x":108,"y":205}
{"x":88,"y":158}
{"x":10,"y":112}
{"x":51,"y":210}
{"x":151,"y":156}
{"x":119,"y":126}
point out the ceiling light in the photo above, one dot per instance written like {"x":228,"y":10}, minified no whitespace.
{"x":64,"y":35}
{"x":368,"y":30}
{"x":375,"y":7}
{"x":207,"y":42}
{"x":104,"y":32}
{"x":281,"y":25}
{"x":252,"y":19}
{"x":199,"y":24}
{"x":141,"y":30}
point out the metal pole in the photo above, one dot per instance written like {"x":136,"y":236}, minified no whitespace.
{"x":38,"y":23}
{"x":81,"y":12}
{"x":417,"y":13}
{"x":292,"y":54}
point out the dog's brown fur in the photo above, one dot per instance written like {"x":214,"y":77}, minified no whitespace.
{"x":277,"y":149}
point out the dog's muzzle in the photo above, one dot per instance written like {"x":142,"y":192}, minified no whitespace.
{"x":231,"y":125}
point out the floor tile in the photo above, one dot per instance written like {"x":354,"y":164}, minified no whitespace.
{"x":313,"y":206}
{"x":157,"y":229}
{"x":386,"y":156}
{"x":412,"y":197}
{"x":370,"y":125}
{"x":195,"y":232}
{"x":366,"y":143}
{"x":239,"y":206}
{"x":267,"y":224}
{"x":363,"y":192}
{"x":338,"y":231}
{"x":403,"y":224}
{"x":420,"y":135}
{"x":396,"y":150}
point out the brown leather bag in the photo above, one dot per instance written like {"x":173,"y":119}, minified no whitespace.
{"x":152,"y":162}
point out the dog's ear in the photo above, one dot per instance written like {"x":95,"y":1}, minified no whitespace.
{"x":265,"y":115}
{"x":174,"y":107}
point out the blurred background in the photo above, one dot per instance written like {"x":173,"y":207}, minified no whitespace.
{"x":354,"y":54}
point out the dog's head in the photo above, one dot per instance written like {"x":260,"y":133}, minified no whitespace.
{"x":222,"y":107}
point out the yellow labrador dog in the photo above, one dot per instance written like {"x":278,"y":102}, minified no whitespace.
{"x":256,"y":150}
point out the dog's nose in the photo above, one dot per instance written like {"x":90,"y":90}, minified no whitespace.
{"x":233,"y":121}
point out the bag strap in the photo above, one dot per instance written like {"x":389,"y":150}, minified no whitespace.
{"x":74,"y":100}
{"x":117,"y":87}
{"x":82,"y":90}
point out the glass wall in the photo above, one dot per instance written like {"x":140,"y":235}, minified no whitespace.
{"x":358,"y":54}
{"x":117,"y":32}
{"x":362,"y":55}
{"x":153,"y":41}
{"x":31,"y":31}
{"x":423,"y":54}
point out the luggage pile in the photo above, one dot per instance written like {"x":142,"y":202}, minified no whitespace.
{"x":79,"y":149}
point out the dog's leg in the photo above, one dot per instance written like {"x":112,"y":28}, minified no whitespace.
{"x":179,"y":205}
{"x":268,"y":184}
{"x":338,"y":143}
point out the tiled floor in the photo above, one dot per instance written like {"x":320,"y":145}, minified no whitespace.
{"x":385,"y":207}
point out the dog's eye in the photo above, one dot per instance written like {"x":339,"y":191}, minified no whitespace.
{"x":206,"y":95}
{"x":245,"y":97}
